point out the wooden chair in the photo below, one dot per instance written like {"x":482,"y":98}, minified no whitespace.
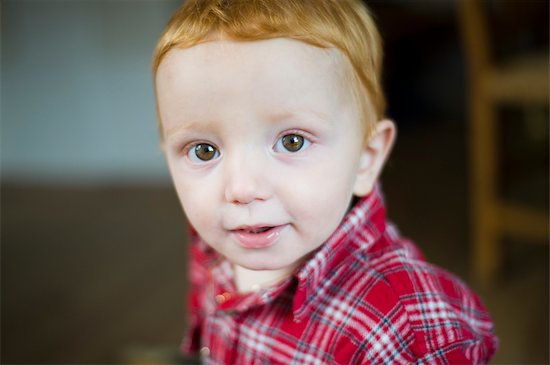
{"x":521,"y":82}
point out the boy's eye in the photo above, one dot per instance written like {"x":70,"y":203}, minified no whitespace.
{"x":203,"y":152}
{"x":291,"y":143}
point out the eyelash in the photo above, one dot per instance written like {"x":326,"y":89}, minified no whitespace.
{"x":307,"y":140}
{"x":187,"y":152}
{"x":306,"y":137}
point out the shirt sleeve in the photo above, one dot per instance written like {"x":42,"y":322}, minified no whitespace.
{"x":198,"y":275}
{"x":450,"y":323}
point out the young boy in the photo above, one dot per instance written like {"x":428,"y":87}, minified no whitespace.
{"x":272,"y":121}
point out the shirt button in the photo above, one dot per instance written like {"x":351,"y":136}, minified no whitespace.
{"x":205,"y":352}
{"x":255,"y":288}
{"x":222,"y":298}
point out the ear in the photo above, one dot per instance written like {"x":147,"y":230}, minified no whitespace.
{"x":373,"y":156}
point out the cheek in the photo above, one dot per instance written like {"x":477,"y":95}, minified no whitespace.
{"x":196,"y":213}
{"x":319,"y":197}
{"x":331,"y":179}
{"x":196,"y":197}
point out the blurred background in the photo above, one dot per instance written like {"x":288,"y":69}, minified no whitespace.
{"x":93,"y":264}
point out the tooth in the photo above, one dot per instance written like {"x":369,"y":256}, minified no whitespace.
{"x":259,"y":230}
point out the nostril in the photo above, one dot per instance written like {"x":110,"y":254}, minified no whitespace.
{"x":245,"y":180}
{"x":240,"y":196}
{"x":245,"y":191}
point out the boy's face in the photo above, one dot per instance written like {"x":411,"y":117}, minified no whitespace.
{"x":264,"y":144}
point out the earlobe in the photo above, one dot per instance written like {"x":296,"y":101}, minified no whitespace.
{"x":373,"y":157}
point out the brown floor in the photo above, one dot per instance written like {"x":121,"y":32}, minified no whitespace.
{"x":94,"y":275}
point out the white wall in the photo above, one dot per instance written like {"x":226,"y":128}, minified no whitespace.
{"x":77,"y":97}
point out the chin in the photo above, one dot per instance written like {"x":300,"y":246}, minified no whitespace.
{"x":267,"y":263}
{"x":262,"y":263}
{"x":260,"y":266}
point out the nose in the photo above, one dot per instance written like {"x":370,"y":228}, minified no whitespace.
{"x":246,"y":180}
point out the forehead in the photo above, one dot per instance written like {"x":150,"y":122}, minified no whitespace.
{"x":272,"y":74}
{"x":272,"y":54}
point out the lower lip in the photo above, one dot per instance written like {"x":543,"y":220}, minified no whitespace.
{"x":258,"y":240}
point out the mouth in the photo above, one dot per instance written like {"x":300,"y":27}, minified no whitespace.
{"x":255,"y":230}
{"x":260,"y":236}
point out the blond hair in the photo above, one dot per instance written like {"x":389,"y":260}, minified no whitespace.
{"x":342,"y":24}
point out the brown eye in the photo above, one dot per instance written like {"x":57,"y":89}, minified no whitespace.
{"x":292,"y":142}
{"x":203,"y":152}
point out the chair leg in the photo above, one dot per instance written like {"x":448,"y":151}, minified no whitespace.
{"x":484,"y":165}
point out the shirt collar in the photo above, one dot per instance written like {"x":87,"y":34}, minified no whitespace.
{"x":359,"y":230}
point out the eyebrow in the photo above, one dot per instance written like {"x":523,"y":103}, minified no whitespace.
{"x":273,"y":118}
{"x":300,"y":113}
{"x":188,"y":124}
{"x":176,"y":128}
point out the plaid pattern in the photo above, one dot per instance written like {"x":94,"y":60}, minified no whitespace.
{"x":365,"y":297}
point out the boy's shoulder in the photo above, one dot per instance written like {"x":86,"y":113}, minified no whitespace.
{"x":387,"y":294}
{"x":426,"y":291}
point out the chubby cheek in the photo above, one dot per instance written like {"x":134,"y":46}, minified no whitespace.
{"x":196,"y":214}
{"x":196,"y":199}
{"x":319,"y":201}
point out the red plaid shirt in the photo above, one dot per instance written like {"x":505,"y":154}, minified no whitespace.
{"x":365,"y":297}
